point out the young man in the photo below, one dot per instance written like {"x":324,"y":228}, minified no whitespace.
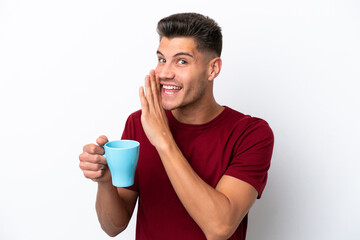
{"x":201,"y":165}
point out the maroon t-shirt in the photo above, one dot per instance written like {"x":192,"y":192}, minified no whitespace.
{"x":233,"y":144}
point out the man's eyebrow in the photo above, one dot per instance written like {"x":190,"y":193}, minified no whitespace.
{"x":177,"y":54}
{"x":183,"y":53}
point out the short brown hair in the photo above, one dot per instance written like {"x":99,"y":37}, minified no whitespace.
{"x":204,"y":30}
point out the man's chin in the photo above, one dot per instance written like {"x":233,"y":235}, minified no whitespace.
{"x":168,"y":107}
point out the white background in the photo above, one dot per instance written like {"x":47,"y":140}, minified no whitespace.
{"x":70,"y":71}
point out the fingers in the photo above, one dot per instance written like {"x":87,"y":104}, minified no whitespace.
{"x":148,"y":92}
{"x":92,"y":165}
{"x":155,"y":83}
{"x":94,"y":175}
{"x":152,"y":95}
{"x":92,"y":158}
{"x":88,"y":166}
{"x":154,"y":88}
{"x":94,"y":149}
{"x":157,"y":78}
{"x":143,"y":101}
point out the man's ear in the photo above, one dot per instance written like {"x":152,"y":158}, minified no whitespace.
{"x":214,"y":68}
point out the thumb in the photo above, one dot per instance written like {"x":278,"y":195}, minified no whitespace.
{"x":102,"y":140}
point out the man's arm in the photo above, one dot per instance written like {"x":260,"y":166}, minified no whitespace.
{"x":219,"y":211}
{"x":114,"y":206}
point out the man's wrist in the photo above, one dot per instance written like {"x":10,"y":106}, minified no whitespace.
{"x":105,"y":184}
{"x":168,"y":145}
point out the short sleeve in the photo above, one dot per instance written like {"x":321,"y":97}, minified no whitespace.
{"x":252,"y":154}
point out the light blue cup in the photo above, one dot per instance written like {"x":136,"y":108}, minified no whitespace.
{"x":122,"y":158}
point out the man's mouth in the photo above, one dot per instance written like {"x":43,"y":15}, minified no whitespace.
{"x":170,"y":89}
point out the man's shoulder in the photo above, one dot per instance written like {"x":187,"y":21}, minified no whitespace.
{"x":134,"y":119}
{"x":135,"y":115}
{"x":245,"y":121}
{"x":236,"y":116}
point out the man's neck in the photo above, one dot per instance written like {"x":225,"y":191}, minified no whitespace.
{"x":197,"y":114}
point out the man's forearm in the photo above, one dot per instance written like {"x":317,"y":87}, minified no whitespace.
{"x":209,"y":208}
{"x":112,"y":212}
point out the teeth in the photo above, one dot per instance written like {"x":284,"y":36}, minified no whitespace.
{"x":169,"y":93}
{"x":171,"y":87}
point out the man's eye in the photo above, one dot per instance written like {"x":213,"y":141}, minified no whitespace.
{"x":182,"y":61}
{"x":162,"y":60}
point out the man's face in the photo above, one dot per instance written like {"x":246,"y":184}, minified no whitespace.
{"x":183,"y":73}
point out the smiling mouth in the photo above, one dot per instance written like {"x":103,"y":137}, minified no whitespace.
{"x":170,"y":89}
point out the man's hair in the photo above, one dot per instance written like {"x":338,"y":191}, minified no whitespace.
{"x":205,"y":31}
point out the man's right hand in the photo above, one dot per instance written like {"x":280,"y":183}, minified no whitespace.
{"x":93,"y":164}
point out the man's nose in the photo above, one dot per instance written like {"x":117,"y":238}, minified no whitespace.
{"x":165,"y":72}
